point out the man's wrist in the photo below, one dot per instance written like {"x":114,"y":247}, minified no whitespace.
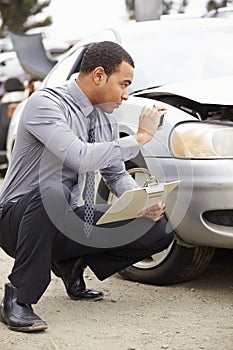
{"x":141,"y":139}
{"x":138,"y":139}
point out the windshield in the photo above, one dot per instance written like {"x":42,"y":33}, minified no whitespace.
{"x":177,"y":55}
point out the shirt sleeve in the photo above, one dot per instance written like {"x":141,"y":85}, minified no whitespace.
{"x":117,"y":179}
{"x":50,"y":127}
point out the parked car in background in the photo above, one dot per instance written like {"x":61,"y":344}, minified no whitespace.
{"x":10,"y":67}
{"x":14,"y":92}
{"x":5,"y":44}
{"x":187,"y":66}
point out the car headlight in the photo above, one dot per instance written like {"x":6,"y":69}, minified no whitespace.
{"x":202,"y":140}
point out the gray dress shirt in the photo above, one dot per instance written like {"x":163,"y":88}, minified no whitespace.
{"x":52,"y":145}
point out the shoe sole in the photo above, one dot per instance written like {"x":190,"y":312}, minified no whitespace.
{"x":27,"y":329}
{"x":86,"y":299}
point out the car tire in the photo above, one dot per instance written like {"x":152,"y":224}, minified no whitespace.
{"x":175,"y":264}
{"x":179,"y":265}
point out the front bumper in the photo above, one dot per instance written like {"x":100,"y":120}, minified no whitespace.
{"x":200,"y":210}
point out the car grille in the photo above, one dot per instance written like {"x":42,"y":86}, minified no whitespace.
{"x":220,"y":217}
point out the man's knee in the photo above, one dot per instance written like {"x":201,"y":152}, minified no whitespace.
{"x":156,"y":236}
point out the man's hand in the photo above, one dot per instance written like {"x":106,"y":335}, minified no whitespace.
{"x":155,"y":213}
{"x":148,"y":123}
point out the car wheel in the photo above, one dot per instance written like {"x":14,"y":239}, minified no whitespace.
{"x":176,"y":264}
{"x":173,"y":265}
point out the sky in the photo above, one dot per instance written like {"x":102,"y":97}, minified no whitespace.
{"x":196,"y":7}
{"x":77,"y":18}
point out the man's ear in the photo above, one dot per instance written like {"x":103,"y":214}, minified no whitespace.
{"x":99,"y":75}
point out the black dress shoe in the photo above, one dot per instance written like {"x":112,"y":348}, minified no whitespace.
{"x":71,"y":272}
{"x":19,"y":317}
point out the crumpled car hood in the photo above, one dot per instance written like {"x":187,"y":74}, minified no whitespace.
{"x":205,"y":91}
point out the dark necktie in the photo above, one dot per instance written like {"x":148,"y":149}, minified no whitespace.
{"x":90,"y":181}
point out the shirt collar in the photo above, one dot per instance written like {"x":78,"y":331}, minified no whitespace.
{"x":80,"y":98}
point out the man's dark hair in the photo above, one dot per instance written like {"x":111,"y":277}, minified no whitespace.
{"x":106,"y":54}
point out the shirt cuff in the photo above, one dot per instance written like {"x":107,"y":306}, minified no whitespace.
{"x":129,"y":147}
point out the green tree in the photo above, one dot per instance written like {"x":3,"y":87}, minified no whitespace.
{"x":182,"y":6}
{"x":15,"y":15}
{"x":130,"y":5}
{"x":166,"y":7}
{"x":214,"y":5}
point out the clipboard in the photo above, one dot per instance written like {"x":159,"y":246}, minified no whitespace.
{"x":131,"y":203}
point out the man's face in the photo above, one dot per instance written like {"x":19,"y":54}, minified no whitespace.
{"x":114,"y":88}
